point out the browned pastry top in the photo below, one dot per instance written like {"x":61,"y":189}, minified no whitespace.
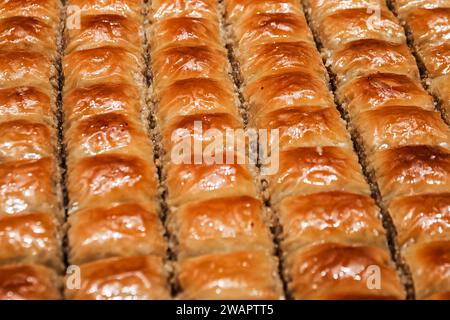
{"x":105,"y":133}
{"x":30,"y":238}
{"x":383,"y":90}
{"x":336,"y":216}
{"x":45,"y":10}
{"x":115,"y":230}
{"x":412,"y":170}
{"x":163,"y":9}
{"x":335,"y":271}
{"x":269,"y":27}
{"x":27,"y":186}
{"x":104,"y":30}
{"x":219,"y":225}
{"x":191,"y":182}
{"x":306,"y":127}
{"x":111,"y":177}
{"x":132,"y":9}
{"x":344,"y":26}
{"x":275,"y":92}
{"x":24,"y":101}
{"x":421,"y":218}
{"x":195,"y":96}
{"x":184,"y":31}
{"x":100,"y":99}
{"x":28,"y":282}
{"x":25,"y":68}
{"x":101,"y":65}
{"x":395,"y":126}
{"x":179,"y":63}
{"x":311,"y":170}
{"x":27,"y":33}
{"x":430,"y":267}
{"x":129,"y":278}
{"x":363,"y":57}
{"x":236,"y":275}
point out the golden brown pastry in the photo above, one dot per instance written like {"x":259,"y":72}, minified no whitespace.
{"x":428,"y":23}
{"x":318,"y":192}
{"x":164,"y":9}
{"x":25,"y":67}
{"x":26,"y":102}
{"x":128,"y":278}
{"x":28,"y":282}
{"x":430,"y":267}
{"x":320,"y":9}
{"x":338,"y":217}
{"x":305,"y":127}
{"x":441,"y":89}
{"x":393,"y":127}
{"x":106,"y":64}
{"x":184,"y":31}
{"x":422,"y":218}
{"x":27,"y":33}
{"x":287,"y":90}
{"x":100,"y":99}
{"x":107,"y":133}
{"x":363,"y":57}
{"x":117,"y":230}
{"x":132,"y":9}
{"x":110,"y":178}
{"x":249,"y":275}
{"x":412,"y":170}
{"x":216,"y":223}
{"x":379,"y":90}
{"x":31,"y":214}
{"x":316,"y":169}
{"x":348,"y":25}
{"x":189,"y":182}
{"x":405,"y":140}
{"x":219,"y":225}
{"x":24,"y":139}
{"x":30,"y":238}
{"x":236,"y":9}
{"x":403,"y":6}
{"x":186,"y":129}
{"x":196,"y":96}
{"x":185,"y":62}
{"x":332,"y":271}
{"x":27,"y":186}
{"x":47,"y":11}
{"x":104,"y":30}
{"x":261,"y":27}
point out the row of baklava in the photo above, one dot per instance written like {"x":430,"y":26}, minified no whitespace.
{"x":115,"y":235}
{"x":219,"y":230}
{"x":31,"y":214}
{"x":428,"y":23}
{"x":332,"y":239}
{"x":403,"y":137}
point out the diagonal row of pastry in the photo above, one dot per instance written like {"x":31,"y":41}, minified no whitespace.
{"x":219,"y":230}
{"x":114,"y":232}
{"x":333,"y":242}
{"x":403,"y":137}
{"x":31,"y":206}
